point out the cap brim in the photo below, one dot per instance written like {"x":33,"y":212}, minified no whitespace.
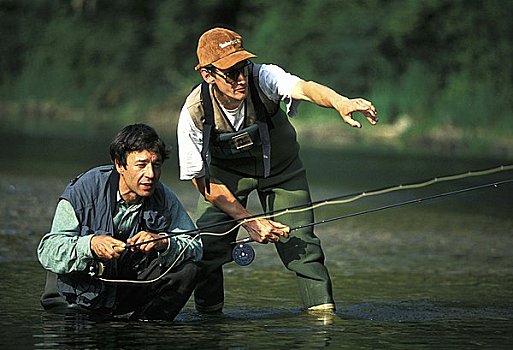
{"x":231,"y":60}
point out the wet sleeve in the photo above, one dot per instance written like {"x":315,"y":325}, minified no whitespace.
{"x":63,"y":250}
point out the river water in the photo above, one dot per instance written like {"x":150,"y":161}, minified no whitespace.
{"x":435,"y":274}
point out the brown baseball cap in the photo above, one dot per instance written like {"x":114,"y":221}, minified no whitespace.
{"x":221,"y":48}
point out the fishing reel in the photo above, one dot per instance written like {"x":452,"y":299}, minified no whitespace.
{"x":243,"y":254}
{"x":96,"y":269}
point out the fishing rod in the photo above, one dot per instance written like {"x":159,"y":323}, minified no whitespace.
{"x":341,"y":199}
{"x":395,"y":205}
{"x":243,"y":254}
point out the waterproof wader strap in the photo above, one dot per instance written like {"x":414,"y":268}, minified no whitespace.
{"x":263,"y":127}
{"x":266,"y":146}
{"x":207,"y":129}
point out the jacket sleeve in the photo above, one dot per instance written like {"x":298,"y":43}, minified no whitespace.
{"x":182,"y":246}
{"x":63,"y":250}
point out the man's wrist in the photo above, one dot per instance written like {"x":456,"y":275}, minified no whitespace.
{"x":340,"y":102}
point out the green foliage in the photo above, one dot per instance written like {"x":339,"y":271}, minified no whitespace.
{"x":466,"y":46}
{"x":439,"y":62}
{"x":335,"y":50}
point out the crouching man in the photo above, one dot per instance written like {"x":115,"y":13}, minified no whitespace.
{"x":101,"y":224}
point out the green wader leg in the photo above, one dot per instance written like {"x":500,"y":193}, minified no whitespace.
{"x":301,"y":252}
{"x":217,"y":249}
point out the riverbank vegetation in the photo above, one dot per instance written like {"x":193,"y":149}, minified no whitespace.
{"x":440,"y":72}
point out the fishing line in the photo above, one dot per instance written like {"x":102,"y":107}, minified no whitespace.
{"x":403,"y":203}
{"x":179,"y":256}
{"x":243,"y":254}
{"x":247,"y":256}
{"x":343,"y":199}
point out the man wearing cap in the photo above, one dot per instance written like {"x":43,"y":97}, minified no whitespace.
{"x":233,"y":139}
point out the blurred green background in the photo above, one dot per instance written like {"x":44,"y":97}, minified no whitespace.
{"x":439,"y":71}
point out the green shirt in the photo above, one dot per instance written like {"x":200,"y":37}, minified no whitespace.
{"x":63,"y":250}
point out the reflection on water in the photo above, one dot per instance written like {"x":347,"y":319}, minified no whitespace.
{"x":432,"y":275}
{"x":256,"y":321}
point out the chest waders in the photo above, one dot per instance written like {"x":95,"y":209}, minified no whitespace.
{"x":228,"y":144}
{"x":244,"y":162}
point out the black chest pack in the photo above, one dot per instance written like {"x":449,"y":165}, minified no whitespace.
{"x":244,"y":140}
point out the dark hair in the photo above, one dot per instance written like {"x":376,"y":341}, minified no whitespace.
{"x":136,"y":138}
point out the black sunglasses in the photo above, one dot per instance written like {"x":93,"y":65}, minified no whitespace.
{"x":232,"y":75}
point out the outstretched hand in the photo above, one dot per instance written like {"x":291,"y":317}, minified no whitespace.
{"x":325,"y":97}
{"x":346,"y":108}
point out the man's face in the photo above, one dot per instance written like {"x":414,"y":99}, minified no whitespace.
{"x":141,"y":175}
{"x":232,"y":82}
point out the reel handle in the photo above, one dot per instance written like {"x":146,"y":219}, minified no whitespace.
{"x":244,"y":240}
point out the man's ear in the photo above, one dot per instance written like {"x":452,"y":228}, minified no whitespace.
{"x":119,"y":168}
{"x":207,"y":76}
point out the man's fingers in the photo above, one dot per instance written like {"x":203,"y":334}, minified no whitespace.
{"x":370,"y":116}
{"x":364,"y":107}
{"x":282,"y":232}
{"x":280,"y":229}
{"x":113,"y":251}
{"x":138,"y":241}
{"x":144,"y":247}
{"x":370,"y":113}
{"x":373,"y":120}
{"x":285,"y":232}
{"x":118,"y":249}
{"x":104,"y":247}
{"x":349,"y":120}
{"x":263,"y":240}
{"x":274,"y":236}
